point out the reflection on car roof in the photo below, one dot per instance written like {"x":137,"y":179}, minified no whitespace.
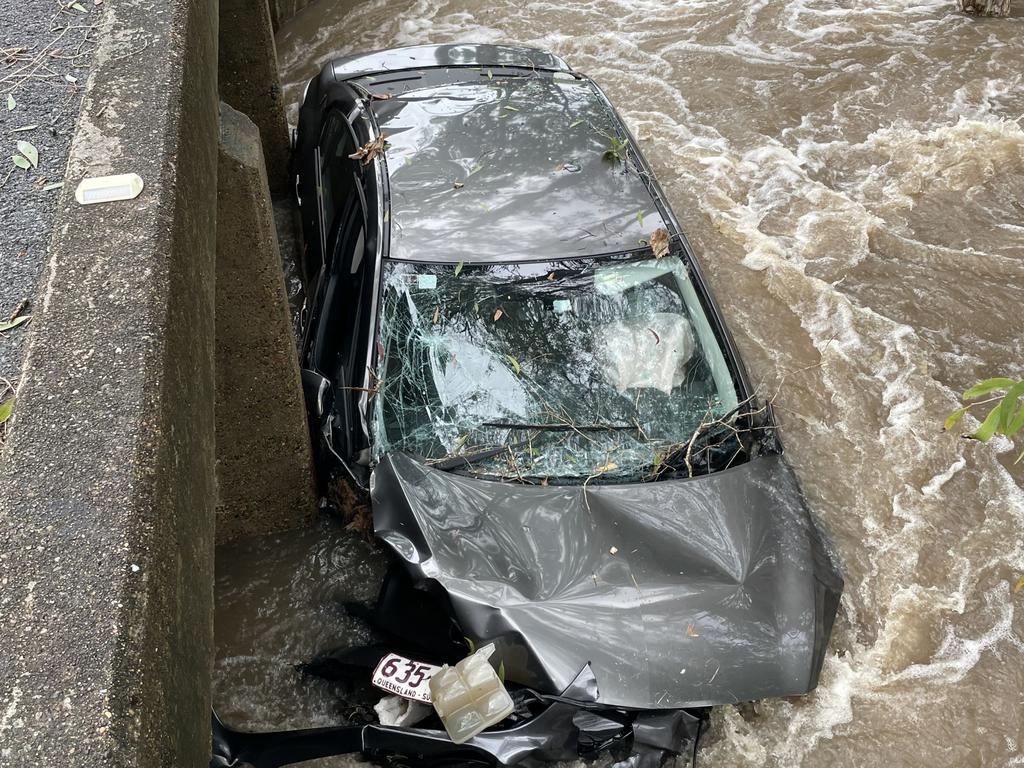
{"x":509,"y":168}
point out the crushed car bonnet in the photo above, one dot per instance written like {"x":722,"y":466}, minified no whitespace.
{"x":680,"y":593}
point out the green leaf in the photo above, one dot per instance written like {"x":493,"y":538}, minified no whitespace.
{"x":470,"y":644}
{"x":28,"y":149}
{"x":459,"y":267}
{"x":984,"y":387}
{"x":1008,"y":405}
{"x":5,"y":409}
{"x":640,"y":218}
{"x":501,"y":664}
{"x":490,"y":75}
{"x":954,"y":418}
{"x":515,"y":364}
{"x":574,"y":123}
{"x":53,"y":185}
{"x":78,"y":7}
{"x":24,"y":128}
{"x":1016,"y":424}
{"x":510,"y":108}
{"x":11,"y":103}
{"x":988,"y":427}
{"x":9,"y":324}
{"x":460,"y":442}
{"x":21,"y":162}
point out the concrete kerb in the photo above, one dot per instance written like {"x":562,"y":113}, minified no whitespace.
{"x":106,"y":509}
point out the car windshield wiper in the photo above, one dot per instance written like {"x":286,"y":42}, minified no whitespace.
{"x":466,"y":459}
{"x":561,"y":427}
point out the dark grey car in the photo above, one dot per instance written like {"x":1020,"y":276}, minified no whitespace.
{"x":509,"y":344}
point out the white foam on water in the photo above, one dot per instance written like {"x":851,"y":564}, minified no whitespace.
{"x":857,"y":345}
{"x":934,"y":485}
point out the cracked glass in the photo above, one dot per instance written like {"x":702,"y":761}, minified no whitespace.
{"x":558,"y":371}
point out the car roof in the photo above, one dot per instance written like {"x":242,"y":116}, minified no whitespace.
{"x":505,"y":165}
{"x":451,"y":55}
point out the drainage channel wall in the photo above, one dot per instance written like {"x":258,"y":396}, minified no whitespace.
{"x":109,"y":491}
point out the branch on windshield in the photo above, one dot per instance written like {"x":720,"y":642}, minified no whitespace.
{"x":726,"y":435}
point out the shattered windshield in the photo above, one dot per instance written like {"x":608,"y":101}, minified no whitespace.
{"x":560,"y":371}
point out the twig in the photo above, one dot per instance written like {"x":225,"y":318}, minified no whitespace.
{"x":36,"y":61}
{"x":18,"y":310}
{"x":515,"y":464}
{"x":131,"y":53}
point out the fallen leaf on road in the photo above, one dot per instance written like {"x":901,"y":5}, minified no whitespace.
{"x":29,"y":150}
{"x":5,"y":409}
{"x":9,"y":324}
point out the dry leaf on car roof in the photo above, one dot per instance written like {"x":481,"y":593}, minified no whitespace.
{"x":370,"y":150}
{"x":659,"y":242}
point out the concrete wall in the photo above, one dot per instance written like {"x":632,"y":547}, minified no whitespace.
{"x":282,"y":10}
{"x":249,"y":81}
{"x":106,"y":509}
{"x":108,"y":501}
{"x":264,"y":461}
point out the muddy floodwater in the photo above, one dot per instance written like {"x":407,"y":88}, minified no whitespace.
{"x":851,"y":175}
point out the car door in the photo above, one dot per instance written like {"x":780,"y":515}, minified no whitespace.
{"x":334,"y":336}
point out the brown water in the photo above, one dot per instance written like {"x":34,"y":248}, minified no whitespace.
{"x":851,"y":174}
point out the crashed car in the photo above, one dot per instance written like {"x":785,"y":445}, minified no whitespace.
{"x":510,"y":348}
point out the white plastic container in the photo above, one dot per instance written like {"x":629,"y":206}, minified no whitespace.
{"x":470,"y":696}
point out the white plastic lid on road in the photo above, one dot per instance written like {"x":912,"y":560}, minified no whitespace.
{"x":107,"y":189}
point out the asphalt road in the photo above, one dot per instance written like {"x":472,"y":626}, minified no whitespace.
{"x":46,"y":48}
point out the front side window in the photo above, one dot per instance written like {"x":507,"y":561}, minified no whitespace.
{"x":562,"y":371}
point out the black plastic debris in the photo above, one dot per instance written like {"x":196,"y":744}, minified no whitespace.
{"x":565,"y":727}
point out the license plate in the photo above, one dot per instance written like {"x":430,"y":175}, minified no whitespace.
{"x":404,"y":677}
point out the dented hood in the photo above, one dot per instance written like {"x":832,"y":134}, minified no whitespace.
{"x":679,"y":593}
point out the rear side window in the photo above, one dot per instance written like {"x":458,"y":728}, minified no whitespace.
{"x":338,"y":174}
